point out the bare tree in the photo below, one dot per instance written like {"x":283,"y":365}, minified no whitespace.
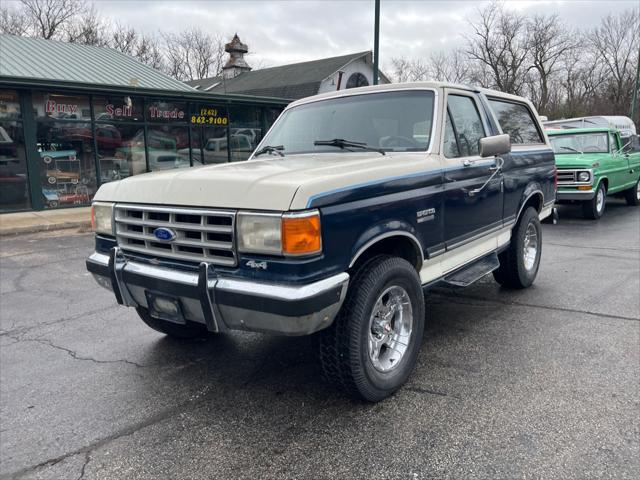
{"x":13,"y":22}
{"x":452,"y":66}
{"x":89,"y":29}
{"x":409,"y":70}
{"x":145,"y":48}
{"x":616,"y":42}
{"x":499,"y":42}
{"x":50,"y":18}
{"x":193,"y":54}
{"x":549,"y":41}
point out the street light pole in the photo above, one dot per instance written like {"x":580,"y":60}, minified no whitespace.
{"x":376,"y":42}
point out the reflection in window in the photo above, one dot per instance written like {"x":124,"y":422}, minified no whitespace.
{"x":580,"y":143}
{"x":168,"y":147}
{"x":120,"y":151}
{"x":215,"y":148}
{"x":68,"y":174}
{"x":516,"y":120}
{"x":9,"y":104}
{"x":245,"y":133}
{"x":467,"y":124}
{"x":61,"y":106}
{"x":167,"y":112}
{"x":118,"y":108}
{"x":14,"y":191}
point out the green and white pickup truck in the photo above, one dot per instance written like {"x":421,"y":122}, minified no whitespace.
{"x":593,"y":163}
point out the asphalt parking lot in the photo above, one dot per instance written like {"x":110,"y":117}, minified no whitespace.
{"x":542,"y":383}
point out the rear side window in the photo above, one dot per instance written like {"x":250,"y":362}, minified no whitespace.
{"x":463,"y":129}
{"x":516,"y":120}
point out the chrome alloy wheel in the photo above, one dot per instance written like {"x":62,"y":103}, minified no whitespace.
{"x":390,"y":328}
{"x":530,"y":246}
{"x":600,"y":200}
{"x":638,"y":190}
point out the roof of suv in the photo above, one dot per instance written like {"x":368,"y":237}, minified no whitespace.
{"x":404,"y":86}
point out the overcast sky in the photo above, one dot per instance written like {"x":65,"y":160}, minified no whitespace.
{"x":280,"y":32}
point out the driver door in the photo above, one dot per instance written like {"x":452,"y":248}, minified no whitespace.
{"x":472,"y":207}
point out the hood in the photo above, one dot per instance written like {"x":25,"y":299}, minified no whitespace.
{"x":271,"y":184}
{"x":579,"y":160}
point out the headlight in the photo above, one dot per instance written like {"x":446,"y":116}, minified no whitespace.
{"x":279,"y":234}
{"x":101,"y":217}
{"x":259,"y":233}
{"x":584,"y":176}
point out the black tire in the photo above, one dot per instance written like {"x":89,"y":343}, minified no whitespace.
{"x":513,"y":271}
{"x":590,"y":208}
{"x":174,"y":330}
{"x":632,"y":195}
{"x":343,"y":348}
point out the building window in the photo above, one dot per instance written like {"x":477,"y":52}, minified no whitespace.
{"x":121,"y":151}
{"x":14,"y":190}
{"x":59,"y":106}
{"x":118,"y":108}
{"x":357,"y":80}
{"x":68,"y":175}
{"x":167,"y":112}
{"x":209,"y":134}
{"x":168,"y":147}
{"x":245,"y":132}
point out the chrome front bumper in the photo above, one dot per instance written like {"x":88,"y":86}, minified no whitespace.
{"x":579,"y":195}
{"x":223,"y":303}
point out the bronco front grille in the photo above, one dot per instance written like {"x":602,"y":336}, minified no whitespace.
{"x":201,"y":235}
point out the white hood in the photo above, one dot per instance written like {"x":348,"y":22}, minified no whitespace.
{"x":279,"y":184}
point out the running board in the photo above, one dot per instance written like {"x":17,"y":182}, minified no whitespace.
{"x":473,"y":272}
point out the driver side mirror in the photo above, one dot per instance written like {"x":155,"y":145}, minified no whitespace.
{"x":495,"y":145}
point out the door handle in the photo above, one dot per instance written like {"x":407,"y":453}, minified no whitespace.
{"x":495,"y":169}
{"x":467,"y":163}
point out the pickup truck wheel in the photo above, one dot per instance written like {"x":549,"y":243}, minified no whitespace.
{"x":190,"y":330}
{"x":520,"y":262}
{"x":373,"y":344}
{"x":594,"y":208}
{"x":632,"y":195}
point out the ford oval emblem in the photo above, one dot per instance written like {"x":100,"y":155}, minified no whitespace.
{"x":164,"y":234}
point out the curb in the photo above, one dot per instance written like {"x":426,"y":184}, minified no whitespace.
{"x":8,"y":231}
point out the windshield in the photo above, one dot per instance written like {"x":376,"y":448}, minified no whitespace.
{"x":580,"y":143}
{"x":393,"y":121}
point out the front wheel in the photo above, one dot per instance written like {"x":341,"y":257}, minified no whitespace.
{"x":520,"y":262}
{"x":594,"y":208}
{"x":632,"y":195}
{"x":373,"y":345}
{"x":174,"y":330}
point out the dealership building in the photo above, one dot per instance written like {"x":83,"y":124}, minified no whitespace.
{"x":73,"y":117}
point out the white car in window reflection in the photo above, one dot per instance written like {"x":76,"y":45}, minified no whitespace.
{"x":162,"y":160}
{"x":215,"y":150}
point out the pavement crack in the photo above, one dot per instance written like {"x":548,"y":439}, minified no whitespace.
{"x":87,"y":459}
{"x":587,"y":247}
{"x":73,"y":354}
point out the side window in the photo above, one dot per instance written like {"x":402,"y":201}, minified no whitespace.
{"x":466,"y":125}
{"x":450,"y":149}
{"x":517,"y":120}
{"x":613,"y":143}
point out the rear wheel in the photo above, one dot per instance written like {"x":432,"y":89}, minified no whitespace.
{"x":594,"y":208}
{"x":373,"y":344}
{"x":175,"y":330}
{"x":520,"y":262}
{"x":632,"y":195}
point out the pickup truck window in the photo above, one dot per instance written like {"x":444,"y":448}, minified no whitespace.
{"x":393,"y":121}
{"x":463,"y":120}
{"x":580,"y":143}
{"x":516,"y":120}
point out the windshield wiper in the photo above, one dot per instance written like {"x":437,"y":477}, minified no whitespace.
{"x":570,"y":148}
{"x":270,"y":149}
{"x":341,"y":143}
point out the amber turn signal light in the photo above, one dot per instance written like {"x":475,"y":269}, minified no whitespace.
{"x":301,"y":234}
{"x":584,"y":187}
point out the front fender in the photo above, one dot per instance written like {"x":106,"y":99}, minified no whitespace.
{"x":383,"y":230}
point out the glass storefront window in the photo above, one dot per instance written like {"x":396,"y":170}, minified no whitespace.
{"x":215,"y":146}
{"x":120,"y":151}
{"x":168,"y":147}
{"x":14,"y":189}
{"x":167,"y":112}
{"x":271,"y":115}
{"x":245,"y":131}
{"x":68,"y":175}
{"x":61,"y":106}
{"x":118,"y":108}
{"x":9,"y":104}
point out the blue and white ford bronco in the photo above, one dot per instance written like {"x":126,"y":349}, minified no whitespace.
{"x":352,"y":205}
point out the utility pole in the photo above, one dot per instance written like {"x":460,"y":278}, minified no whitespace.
{"x":634,"y":102}
{"x":376,"y":42}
